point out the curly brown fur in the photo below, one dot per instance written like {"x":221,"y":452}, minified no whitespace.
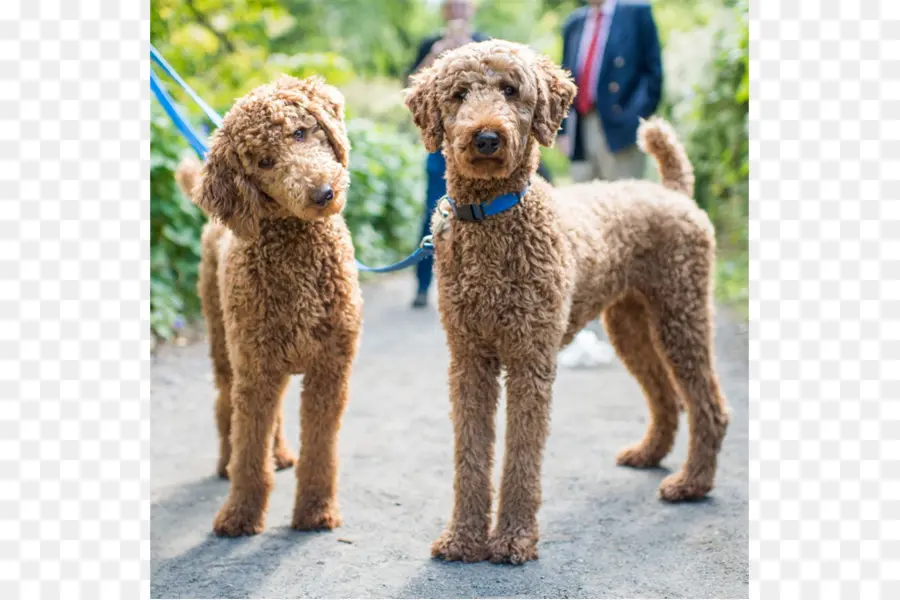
{"x":280,"y":294}
{"x":515,"y":288}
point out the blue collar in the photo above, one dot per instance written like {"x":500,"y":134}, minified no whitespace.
{"x":479,"y":212}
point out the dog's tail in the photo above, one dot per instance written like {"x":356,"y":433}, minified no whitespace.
{"x":657,"y":138}
{"x":187,"y":176}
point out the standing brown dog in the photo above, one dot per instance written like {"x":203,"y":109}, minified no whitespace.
{"x":279,"y":289}
{"x":514,"y":288}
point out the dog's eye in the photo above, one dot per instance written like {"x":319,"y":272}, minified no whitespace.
{"x":300,"y":135}
{"x":509,"y":91}
{"x":266,"y":163}
{"x":460,"y":95}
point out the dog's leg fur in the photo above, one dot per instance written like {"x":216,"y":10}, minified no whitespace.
{"x":529,"y":385}
{"x":208,"y":288}
{"x":322,"y":402}
{"x":685,"y":339}
{"x":284,"y":458}
{"x":256,"y":400}
{"x":628,"y":324}
{"x":474,"y":394}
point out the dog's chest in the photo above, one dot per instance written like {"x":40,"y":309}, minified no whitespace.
{"x":500,"y":283}
{"x":299,"y":301}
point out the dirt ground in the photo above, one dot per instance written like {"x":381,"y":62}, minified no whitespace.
{"x":604,"y":533}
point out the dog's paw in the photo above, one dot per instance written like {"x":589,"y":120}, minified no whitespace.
{"x":222,"y":468}
{"x":638,"y":457}
{"x":317,"y":518}
{"x":678,"y":487}
{"x":459,"y":545}
{"x":284,"y":459}
{"x":512,"y":548}
{"x":233,"y":522}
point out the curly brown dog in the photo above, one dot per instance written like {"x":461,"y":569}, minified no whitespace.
{"x":514,"y":289}
{"x":280,"y":293}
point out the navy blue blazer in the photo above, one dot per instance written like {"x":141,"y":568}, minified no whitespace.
{"x":630,"y":83}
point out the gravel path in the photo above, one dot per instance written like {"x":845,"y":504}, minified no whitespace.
{"x":604,"y":533}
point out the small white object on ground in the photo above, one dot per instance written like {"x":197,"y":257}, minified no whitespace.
{"x":585,"y":351}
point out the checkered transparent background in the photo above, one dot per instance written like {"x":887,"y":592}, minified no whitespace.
{"x":74,"y":299}
{"x":825,"y":116}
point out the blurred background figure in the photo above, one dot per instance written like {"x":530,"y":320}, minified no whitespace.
{"x":612,"y":48}
{"x":457,"y":15}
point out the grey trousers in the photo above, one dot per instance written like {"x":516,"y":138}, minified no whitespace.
{"x":629,"y":163}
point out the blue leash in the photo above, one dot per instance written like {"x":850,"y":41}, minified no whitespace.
{"x":180,"y":123}
{"x":426,"y":247}
{"x":211,"y":114}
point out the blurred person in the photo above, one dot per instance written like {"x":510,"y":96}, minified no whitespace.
{"x":612,"y":49}
{"x":457,"y":16}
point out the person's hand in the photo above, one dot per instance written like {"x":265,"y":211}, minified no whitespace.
{"x":448,"y":43}
{"x":563,"y":144}
{"x":441,"y":46}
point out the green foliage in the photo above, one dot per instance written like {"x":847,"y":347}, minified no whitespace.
{"x":387,"y":190}
{"x":719,"y":149}
{"x":175,"y":224}
{"x":379,"y":38}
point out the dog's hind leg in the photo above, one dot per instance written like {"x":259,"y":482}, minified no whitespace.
{"x":284,"y":458}
{"x":684,"y":336}
{"x":628,"y":324}
{"x":208,"y":290}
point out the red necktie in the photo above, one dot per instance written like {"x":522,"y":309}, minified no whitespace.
{"x":586,"y":95}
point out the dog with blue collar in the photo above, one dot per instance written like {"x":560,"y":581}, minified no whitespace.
{"x":522,"y":267}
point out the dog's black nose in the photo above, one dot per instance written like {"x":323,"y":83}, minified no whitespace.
{"x":324,"y":195}
{"x":487,"y":142}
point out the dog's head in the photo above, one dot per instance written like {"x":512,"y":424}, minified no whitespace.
{"x":483,"y":102}
{"x":282,"y":150}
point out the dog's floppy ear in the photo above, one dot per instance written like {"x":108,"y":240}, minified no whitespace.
{"x":332,"y":119}
{"x":225,"y":193}
{"x":422,"y":101}
{"x":556,"y":91}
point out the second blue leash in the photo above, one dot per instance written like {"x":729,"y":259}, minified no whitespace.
{"x":425,"y":249}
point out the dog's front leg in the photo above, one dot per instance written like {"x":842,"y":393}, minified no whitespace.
{"x":255,"y":405}
{"x":474,"y":393}
{"x":528,"y":392}
{"x":325,"y":393}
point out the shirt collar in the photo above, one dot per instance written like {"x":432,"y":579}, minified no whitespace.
{"x":606,"y":9}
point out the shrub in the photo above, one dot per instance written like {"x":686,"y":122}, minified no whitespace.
{"x":387,"y":191}
{"x":719,"y":149}
{"x":175,"y":224}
